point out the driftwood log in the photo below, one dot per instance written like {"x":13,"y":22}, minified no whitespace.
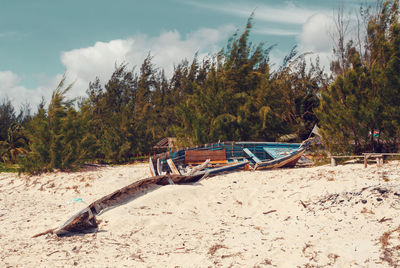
{"x":85,"y":221}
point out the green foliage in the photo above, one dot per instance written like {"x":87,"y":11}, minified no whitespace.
{"x":345,"y":114}
{"x":365,"y":99}
{"x":128,"y":116}
{"x":233,"y":95}
{"x":7,"y":117}
{"x":38,"y":133}
{"x":14,"y":146}
{"x":240,"y":99}
{"x":57,"y":139}
{"x":8,"y":167}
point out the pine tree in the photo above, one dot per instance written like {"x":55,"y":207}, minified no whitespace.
{"x":55,"y":136}
{"x":7,"y":117}
{"x":38,"y":157}
{"x":116,"y":117}
{"x":360,"y":110}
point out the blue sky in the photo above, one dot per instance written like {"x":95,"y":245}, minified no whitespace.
{"x":40,"y":40}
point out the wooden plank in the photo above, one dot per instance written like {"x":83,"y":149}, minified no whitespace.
{"x":334,"y":157}
{"x":347,"y":156}
{"x":152,"y":170}
{"x":199,"y":156}
{"x":211,"y":162}
{"x":173,"y":167}
{"x":159,"y":167}
{"x":387,"y":154}
{"x":225,"y":168}
{"x":85,"y":220}
{"x":198,"y":168}
{"x":251,"y":155}
{"x":278,"y":152}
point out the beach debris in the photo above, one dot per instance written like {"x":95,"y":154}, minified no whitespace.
{"x":384,"y":219}
{"x":214,"y":248}
{"x":85,"y":221}
{"x":374,"y":195}
{"x":76,"y":200}
{"x":199,"y":167}
{"x":270,"y":211}
{"x":303,"y":204}
{"x":222,"y":157}
{"x":49,"y":231}
{"x":390,"y":245}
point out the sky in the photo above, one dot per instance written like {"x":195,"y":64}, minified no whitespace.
{"x":43,"y":39}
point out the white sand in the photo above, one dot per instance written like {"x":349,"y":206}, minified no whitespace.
{"x":243,"y":219}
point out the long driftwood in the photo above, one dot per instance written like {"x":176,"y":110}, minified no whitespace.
{"x":85,"y":220}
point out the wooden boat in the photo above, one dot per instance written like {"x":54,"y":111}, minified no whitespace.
{"x":85,"y":220}
{"x":228,"y":156}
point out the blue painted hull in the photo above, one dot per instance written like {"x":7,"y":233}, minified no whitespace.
{"x":260,"y":155}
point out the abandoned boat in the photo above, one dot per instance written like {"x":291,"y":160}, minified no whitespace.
{"x":227,"y":156}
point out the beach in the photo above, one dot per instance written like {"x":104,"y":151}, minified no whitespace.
{"x":343,"y":216}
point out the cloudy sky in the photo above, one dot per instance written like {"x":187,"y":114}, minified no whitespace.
{"x":43,"y":39}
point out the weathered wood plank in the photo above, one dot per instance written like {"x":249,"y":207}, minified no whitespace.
{"x":152,"y":170}
{"x":251,"y":155}
{"x":199,"y":156}
{"x":173,"y":168}
{"x":85,"y":220}
{"x":199,"y":167}
{"x":159,"y":167}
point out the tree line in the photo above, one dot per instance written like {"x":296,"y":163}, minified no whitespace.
{"x":360,"y":109}
{"x":235,"y":94}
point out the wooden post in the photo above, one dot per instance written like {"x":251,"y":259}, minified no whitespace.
{"x":379,"y":160}
{"x":366,"y":156}
{"x":333,"y":162}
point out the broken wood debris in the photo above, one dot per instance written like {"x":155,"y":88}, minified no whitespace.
{"x":85,"y":221}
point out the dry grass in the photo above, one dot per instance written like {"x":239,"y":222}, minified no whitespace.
{"x":384,"y":239}
{"x":366,"y":211}
{"x":391,"y":255}
{"x":213,"y":249}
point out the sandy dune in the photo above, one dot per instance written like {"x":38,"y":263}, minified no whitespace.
{"x":344,"y":216}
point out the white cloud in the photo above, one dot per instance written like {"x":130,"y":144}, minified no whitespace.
{"x":284,"y":19}
{"x":8,"y":79}
{"x":84,"y":64}
{"x":315,"y":35}
{"x":275,"y":31}
{"x":170,"y":48}
{"x":10,"y":88}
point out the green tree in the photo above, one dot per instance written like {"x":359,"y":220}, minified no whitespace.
{"x":15,"y":145}
{"x":7,"y":117}
{"x":37,"y":159}
{"x":364,"y":101}
{"x":222,"y":105}
{"x":56,"y":136}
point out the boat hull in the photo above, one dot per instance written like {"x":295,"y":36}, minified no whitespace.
{"x":289,"y":161}
{"x":258,"y":155}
